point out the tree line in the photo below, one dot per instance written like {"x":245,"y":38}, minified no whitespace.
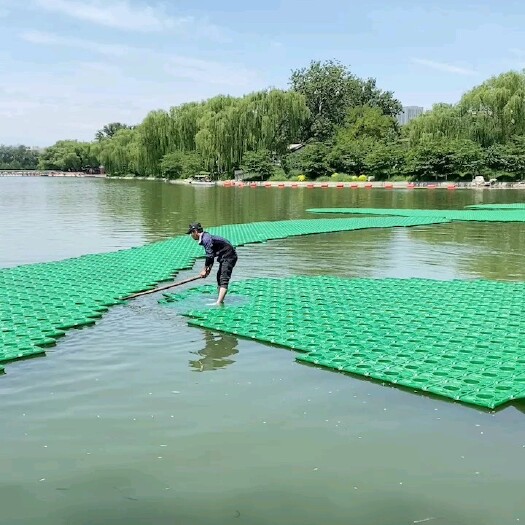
{"x":342,"y":127}
{"x":18,"y":158}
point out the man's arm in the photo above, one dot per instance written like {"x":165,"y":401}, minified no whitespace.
{"x":207,"y":243}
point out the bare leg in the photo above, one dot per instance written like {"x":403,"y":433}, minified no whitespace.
{"x":222,"y":294}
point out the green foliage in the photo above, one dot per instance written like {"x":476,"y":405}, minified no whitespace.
{"x":68,"y":155}
{"x":345,"y":124}
{"x":220,"y":130}
{"x":366,"y":121}
{"x":258,"y":164}
{"x":331,"y":90}
{"x":368,"y":142}
{"x":18,"y":158}
{"x":340,"y":177}
{"x":119,"y":156}
{"x":109,"y":130}
{"x":279,"y":175}
{"x":386,"y":160}
{"x":349,"y":154}
{"x":507,"y":158}
{"x":181,"y":165}
{"x":311,"y":161}
{"x":445,"y":158}
{"x":491,"y":113}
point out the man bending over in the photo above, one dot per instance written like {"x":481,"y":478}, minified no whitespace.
{"x":216,"y":246}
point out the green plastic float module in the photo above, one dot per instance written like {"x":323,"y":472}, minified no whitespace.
{"x":512,"y":206}
{"x":464,"y":340}
{"x":490,"y":215}
{"x":40,"y":302}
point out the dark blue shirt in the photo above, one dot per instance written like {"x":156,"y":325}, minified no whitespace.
{"x":216,"y":246}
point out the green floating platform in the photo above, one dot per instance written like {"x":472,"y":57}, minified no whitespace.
{"x":40,"y":302}
{"x":464,"y":340}
{"x":514,"y":206}
{"x":492,"y":215}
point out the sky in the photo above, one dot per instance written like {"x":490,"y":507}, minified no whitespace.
{"x":68,"y":67}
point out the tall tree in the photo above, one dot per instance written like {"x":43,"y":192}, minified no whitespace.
{"x":330,"y":90}
{"x":18,"y":158}
{"x":120,"y":154}
{"x":495,"y":110}
{"x":110,"y":129}
{"x":68,"y":155}
{"x":491,"y":113}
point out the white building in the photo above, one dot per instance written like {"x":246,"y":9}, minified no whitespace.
{"x":409,"y":113}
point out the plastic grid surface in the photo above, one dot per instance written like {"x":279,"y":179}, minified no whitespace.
{"x":464,"y":340}
{"x":513,"y":206}
{"x":482,"y":215}
{"x":40,"y":302}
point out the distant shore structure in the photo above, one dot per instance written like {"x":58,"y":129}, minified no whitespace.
{"x":409,"y":113}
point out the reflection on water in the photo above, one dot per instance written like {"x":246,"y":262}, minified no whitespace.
{"x":216,"y":353}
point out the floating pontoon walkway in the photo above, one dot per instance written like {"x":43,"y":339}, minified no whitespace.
{"x":515,"y":214}
{"x":40,"y":302}
{"x":464,"y":340}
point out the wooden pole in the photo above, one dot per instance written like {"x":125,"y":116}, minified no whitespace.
{"x":163,"y":287}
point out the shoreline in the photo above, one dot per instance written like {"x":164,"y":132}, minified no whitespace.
{"x":48,"y":173}
{"x":387,"y":185}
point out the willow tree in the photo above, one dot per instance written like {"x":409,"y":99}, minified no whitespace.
{"x":263,"y":120}
{"x":153,"y":137}
{"x":495,"y":110}
{"x":444,"y":121}
{"x":185,"y":125}
{"x":220,"y":130}
{"x":280,"y":116}
{"x":491,"y":113}
{"x":119,"y":154}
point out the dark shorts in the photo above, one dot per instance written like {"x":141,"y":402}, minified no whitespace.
{"x":225,"y":270}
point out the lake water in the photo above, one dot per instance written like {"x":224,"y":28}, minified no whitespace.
{"x":143,"y":420}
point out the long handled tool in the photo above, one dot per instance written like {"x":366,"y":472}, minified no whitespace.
{"x":163,"y":287}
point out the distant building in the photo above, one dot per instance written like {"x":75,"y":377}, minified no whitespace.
{"x":409,"y":113}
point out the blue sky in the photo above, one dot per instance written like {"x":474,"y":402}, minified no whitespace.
{"x":67,"y":67}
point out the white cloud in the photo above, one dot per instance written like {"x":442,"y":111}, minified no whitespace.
{"x":153,"y":63}
{"x":442,"y":66}
{"x":208,"y":72}
{"x":121,"y":14}
{"x":118,"y":14}
{"x":75,"y":99}
{"x":38,"y":37}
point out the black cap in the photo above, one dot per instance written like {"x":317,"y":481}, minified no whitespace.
{"x":195,"y":226}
